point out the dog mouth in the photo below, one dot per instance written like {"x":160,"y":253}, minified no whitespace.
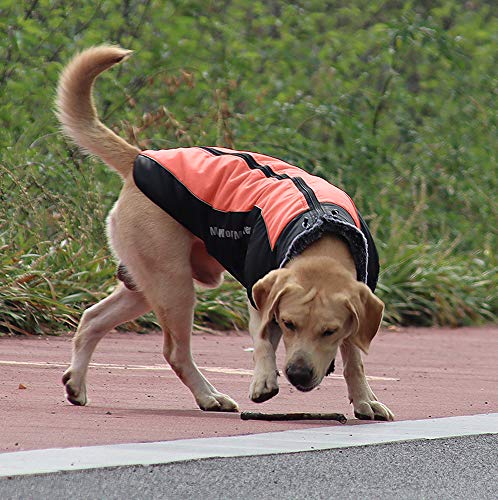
{"x":306,"y":388}
{"x":331,"y":368}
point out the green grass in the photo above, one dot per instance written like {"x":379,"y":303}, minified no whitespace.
{"x":395,"y":102}
{"x":425,"y":285}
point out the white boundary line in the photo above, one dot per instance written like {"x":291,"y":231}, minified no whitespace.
{"x":323,"y":438}
{"x":164,"y":367}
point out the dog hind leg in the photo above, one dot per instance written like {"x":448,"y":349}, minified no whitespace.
{"x":121,"y":306}
{"x":173,"y":302}
{"x":158,"y":255}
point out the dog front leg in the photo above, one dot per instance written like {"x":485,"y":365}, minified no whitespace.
{"x":264,"y":383}
{"x":365,"y":404}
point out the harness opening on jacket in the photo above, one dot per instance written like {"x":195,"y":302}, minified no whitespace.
{"x":253,"y":212}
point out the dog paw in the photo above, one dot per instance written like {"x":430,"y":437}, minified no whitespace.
{"x":75,"y":391}
{"x":263,"y":388}
{"x":217,"y":402}
{"x":372,"y":410}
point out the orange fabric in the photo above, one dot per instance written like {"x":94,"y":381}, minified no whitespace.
{"x":227,"y":184}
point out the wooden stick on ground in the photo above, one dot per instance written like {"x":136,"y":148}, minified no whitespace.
{"x":251,"y":415}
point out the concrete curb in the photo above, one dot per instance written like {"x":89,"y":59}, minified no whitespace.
{"x":292,"y":441}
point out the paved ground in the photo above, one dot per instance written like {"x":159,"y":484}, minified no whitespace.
{"x":418,"y":373}
{"x":457,"y":468}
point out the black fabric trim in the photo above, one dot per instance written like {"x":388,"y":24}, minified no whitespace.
{"x":225,"y":234}
{"x":251,"y":162}
{"x":260,"y":258}
{"x":307,"y":192}
{"x":335,"y":221}
{"x":373,"y":267}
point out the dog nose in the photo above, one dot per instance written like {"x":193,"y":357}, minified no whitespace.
{"x":299,"y":374}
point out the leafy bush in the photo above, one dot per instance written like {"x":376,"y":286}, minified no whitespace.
{"x":393,"y":101}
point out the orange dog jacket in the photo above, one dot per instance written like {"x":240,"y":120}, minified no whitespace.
{"x":253,"y":212}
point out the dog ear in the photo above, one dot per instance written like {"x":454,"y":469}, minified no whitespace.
{"x":268,"y":291}
{"x":367,"y":310}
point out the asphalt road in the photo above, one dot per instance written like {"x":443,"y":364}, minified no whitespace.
{"x":454,"y":468}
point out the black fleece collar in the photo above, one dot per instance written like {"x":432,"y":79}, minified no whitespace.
{"x":331,"y":222}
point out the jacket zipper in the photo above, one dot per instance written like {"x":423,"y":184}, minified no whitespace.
{"x":299,"y":182}
{"x":308,"y":193}
{"x":251,"y":162}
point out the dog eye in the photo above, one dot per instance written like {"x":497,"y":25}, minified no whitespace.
{"x":328,"y":333}
{"x":289,"y":325}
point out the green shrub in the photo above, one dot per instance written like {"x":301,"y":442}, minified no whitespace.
{"x":394,"y":102}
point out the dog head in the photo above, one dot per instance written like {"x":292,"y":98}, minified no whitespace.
{"x":317,"y":305}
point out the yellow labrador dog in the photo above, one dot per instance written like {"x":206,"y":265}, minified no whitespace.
{"x":299,"y":249}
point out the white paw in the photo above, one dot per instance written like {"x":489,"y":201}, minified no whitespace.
{"x":372,"y":410}
{"x":75,"y":389}
{"x":263,"y":387}
{"x":217,"y":402}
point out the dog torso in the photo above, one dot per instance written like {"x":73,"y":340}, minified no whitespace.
{"x":253,"y":212}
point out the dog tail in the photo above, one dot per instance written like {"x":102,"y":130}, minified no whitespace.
{"x":76,"y":111}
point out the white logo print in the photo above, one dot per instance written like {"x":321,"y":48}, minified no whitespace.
{"x":232,"y":234}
